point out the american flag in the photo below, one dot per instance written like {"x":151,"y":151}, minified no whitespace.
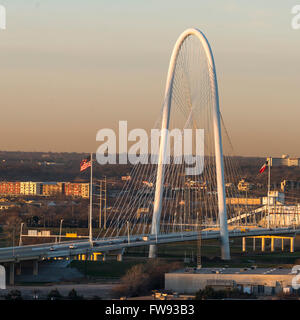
{"x":85,"y":163}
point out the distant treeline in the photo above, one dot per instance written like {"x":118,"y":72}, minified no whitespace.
{"x":32,"y":166}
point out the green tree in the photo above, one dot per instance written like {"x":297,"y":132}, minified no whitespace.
{"x":74,"y":296}
{"x":54,"y":295}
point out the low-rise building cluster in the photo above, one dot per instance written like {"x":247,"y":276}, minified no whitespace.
{"x":32,"y":188}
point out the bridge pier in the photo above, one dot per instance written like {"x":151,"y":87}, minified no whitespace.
{"x":35,"y":267}
{"x":18,"y":269}
{"x":262,"y":244}
{"x":292,"y":244}
{"x":153,"y":251}
{"x":272,"y":244}
{"x":120,"y":254}
{"x":12,"y":273}
{"x":94,"y":256}
{"x":244,"y":244}
{"x":120,"y":257}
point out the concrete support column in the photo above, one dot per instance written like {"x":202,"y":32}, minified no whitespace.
{"x":18,"y":269}
{"x":153,"y":251}
{"x":120,"y":257}
{"x":244,"y":244}
{"x":282,"y":244}
{"x":104,"y":257}
{"x":272,"y":244}
{"x":292,"y":245}
{"x":253,"y":244}
{"x":96,"y":255}
{"x":12,"y":273}
{"x":35,"y":267}
{"x":263,"y":244}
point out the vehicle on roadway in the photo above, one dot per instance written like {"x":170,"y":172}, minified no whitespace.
{"x":72,"y":246}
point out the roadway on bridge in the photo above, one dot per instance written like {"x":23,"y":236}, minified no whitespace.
{"x":73,"y":248}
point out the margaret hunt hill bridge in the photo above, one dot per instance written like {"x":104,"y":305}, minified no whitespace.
{"x":161,"y":203}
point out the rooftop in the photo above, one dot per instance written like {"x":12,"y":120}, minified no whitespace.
{"x":250,"y":270}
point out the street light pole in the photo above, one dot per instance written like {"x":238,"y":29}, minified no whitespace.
{"x":61,"y":221}
{"x":128,"y":231}
{"x":21,"y":228}
{"x":269,"y":182}
{"x":105,"y":194}
{"x":100,"y":205}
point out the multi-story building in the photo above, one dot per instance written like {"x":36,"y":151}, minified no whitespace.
{"x":30,"y":188}
{"x":9,"y":188}
{"x":45,"y":188}
{"x":275,"y":197}
{"x":244,"y":201}
{"x":51,"y":188}
{"x":126,"y":178}
{"x":77,"y":189}
{"x":285,"y":160}
{"x":286,"y":185}
{"x":85,"y":190}
{"x":243,"y":185}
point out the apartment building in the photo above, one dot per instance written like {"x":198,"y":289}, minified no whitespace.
{"x":30,"y":188}
{"x":9,"y":188}
{"x":77,"y":189}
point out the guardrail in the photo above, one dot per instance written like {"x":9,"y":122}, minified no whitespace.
{"x":72,"y":248}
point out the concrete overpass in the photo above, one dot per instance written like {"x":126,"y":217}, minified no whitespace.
{"x":12,"y":257}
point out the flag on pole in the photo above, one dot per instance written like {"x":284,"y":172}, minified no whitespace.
{"x":263,"y":168}
{"x":85,"y":163}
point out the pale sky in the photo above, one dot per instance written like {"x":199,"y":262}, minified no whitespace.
{"x":69,"y":68}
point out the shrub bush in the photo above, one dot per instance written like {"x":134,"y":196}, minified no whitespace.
{"x":142,"y":278}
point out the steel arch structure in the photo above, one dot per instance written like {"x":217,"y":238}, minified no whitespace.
{"x":155,"y":227}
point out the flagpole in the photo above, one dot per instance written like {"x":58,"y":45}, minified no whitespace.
{"x":269,"y":181}
{"x":91,"y":203}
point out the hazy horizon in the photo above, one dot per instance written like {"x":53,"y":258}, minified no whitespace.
{"x":69,"y":70}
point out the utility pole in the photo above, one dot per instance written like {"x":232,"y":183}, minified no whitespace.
{"x":91,"y":203}
{"x":100,"y":204}
{"x":13,"y":242}
{"x":103,"y":189}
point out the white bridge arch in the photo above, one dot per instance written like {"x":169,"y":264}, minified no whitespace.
{"x":155,"y":227}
